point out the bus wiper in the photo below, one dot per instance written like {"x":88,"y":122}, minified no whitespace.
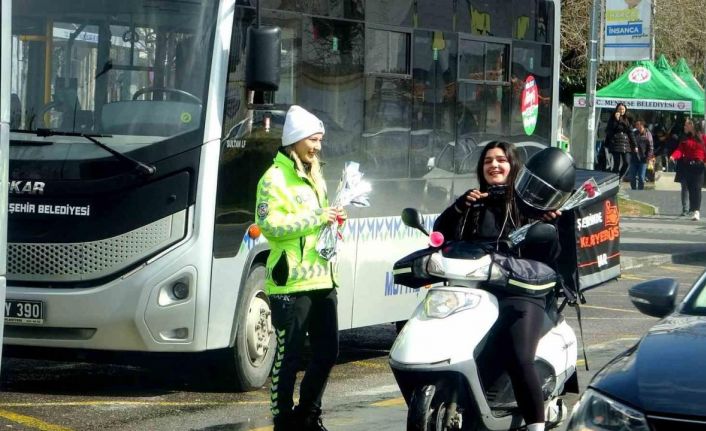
{"x":142,"y":168}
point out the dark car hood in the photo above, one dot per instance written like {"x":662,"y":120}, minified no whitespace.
{"x":665,"y":372}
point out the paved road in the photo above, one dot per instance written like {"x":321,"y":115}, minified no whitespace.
{"x":362,"y":395}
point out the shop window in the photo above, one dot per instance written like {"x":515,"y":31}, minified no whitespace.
{"x":348,"y":9}
{"x":387,"y":52}
{"x":398,"y":12}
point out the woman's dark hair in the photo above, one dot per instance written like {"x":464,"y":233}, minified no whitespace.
{"x":515,"y":165}
{"x":684,"y":133}
{"x":512,"y":158}
{"x":618,"y":106}
{"x":625,"y":116}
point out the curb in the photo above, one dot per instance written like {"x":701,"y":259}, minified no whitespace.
{"x":627,"y":263}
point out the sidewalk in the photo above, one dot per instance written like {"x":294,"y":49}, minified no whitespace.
{"x":663,"y":238}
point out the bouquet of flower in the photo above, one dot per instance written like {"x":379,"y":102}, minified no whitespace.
{"x":352,"y":190}
{"x":588,"y":190}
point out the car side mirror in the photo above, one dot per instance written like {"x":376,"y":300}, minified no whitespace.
{"x":656,"y":298}
{"x":431,"y":163}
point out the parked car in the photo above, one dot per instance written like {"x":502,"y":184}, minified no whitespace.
{"x":660,"y":383}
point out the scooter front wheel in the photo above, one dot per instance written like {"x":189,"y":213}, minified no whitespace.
{"x":427,"y":410}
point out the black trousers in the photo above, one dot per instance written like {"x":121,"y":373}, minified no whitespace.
{"x":621,"y":162}
{"x":293,"y":316}
{"x":693,"y":177}
{"x":519,"y":328}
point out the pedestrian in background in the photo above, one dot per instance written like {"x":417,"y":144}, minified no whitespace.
{"x":641,"y":155}
{"x":619,"y":140}
{"x":292,"y":208}
{"x":691,"y":154}
{"x":660,"y":140}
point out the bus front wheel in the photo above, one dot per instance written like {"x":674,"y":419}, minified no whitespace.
{"x":250,"y":358}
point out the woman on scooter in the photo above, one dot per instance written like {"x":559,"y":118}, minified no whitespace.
{"x":489,"y":214}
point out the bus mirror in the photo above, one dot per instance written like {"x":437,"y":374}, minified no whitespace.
{"x":263,"y":58}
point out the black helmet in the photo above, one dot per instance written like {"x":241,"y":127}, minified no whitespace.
{"x":546,"y":181}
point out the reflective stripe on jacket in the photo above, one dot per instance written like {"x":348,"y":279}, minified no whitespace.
{"x":290,"y":215}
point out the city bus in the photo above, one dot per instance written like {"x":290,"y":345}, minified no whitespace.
{"x":4,"y":140}
{"x":135,"y":151}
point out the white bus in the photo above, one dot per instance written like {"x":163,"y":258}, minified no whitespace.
{"x":4,"y":139}
{"x":135,"y":154}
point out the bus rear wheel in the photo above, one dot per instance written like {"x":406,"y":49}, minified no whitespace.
{"x":249,"y":361}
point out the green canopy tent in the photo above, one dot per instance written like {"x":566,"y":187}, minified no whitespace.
{"x":663,"y":66}
{"x":640,"y":87}
{"x":682,"y":69}
{"x":644,"y":87}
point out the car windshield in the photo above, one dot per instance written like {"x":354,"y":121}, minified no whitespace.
{"x":130,"y":68}
{"x":696,"y":299}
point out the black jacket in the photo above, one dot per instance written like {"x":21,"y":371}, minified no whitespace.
{"x":618,"y":136}
{"x":487,"y":223}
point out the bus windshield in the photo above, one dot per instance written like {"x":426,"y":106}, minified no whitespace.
{"x":129,"y":68}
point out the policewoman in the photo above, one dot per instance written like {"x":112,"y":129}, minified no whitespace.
{"x":291,"y":209}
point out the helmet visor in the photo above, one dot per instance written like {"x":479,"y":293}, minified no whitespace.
{"x":537,"y":193}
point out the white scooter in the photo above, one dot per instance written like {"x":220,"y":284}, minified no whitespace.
{"x":443,"y":360}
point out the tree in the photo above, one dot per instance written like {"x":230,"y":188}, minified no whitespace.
{"x":679,"y":32}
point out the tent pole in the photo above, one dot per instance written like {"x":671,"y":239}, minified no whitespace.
{"x":591,"y":83}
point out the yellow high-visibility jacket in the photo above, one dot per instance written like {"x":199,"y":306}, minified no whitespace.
{"x":290,"y":215}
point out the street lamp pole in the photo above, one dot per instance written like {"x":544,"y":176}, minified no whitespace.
{"x":591,"y":78}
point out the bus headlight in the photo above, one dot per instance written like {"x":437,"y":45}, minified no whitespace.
{"x":597,"y":412}
{"x":443,"y":303}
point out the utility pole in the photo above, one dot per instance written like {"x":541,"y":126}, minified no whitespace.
{"x":591,"y":78}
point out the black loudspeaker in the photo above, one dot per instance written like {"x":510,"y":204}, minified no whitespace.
{"x":263,"y":57}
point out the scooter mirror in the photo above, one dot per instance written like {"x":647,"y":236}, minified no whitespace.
{"x":539,"y":233}
{"x":412,"y":218}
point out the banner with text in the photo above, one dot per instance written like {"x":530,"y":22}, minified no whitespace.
{"x":627,"y":32}
{"x":598,"y":242}
{"x":636,"y":104}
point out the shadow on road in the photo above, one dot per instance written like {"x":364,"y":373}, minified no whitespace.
{"x":111,"y":374}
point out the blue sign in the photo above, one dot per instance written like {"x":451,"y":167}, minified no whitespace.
{"x":624,"y":30}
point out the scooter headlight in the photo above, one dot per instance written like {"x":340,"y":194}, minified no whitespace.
{"x":597,"y":412}
{"x":443,"y":303}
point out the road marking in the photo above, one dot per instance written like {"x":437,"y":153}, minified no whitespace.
{"x":678,"y":269}
{"x":31,"y":422}
{"x":609,"y":309}
{"x":267,"y":428}
{"x":370,"y":364}
{"x":632,"y":277}
{"x":134,"y":403}
{"x":386,"y":389}
{"x":392,"y":402}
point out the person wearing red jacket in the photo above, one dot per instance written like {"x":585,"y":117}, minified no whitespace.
{"x":691,"y":153}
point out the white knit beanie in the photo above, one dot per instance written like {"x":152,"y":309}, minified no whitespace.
{"x":300,"y":124}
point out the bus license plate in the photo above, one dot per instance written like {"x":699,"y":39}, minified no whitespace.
{"x":22,"y":311}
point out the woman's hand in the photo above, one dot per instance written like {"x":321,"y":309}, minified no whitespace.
{"x":466,"y":199}
{"x":551,"y":215}
{"x":331,"y":214}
